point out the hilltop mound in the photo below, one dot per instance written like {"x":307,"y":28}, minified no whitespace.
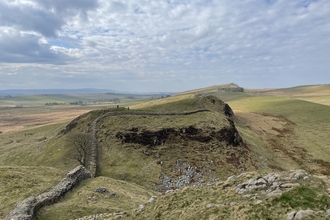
{"x":231,"y":87}
{"x":169,"y":144}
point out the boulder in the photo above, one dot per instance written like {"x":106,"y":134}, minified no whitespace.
{"x":140,"y":208}
{"x":298,"y":174}
{"x":291,"y":215}
{"x":303,"y":213}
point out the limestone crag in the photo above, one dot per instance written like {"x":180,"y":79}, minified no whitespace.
{"x":273,"y":184}
{"x":189,"y":177}
{"x":27,"y":209}
{"x":308,"y":213}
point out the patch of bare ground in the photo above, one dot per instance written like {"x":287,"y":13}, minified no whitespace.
{"x":277,"y":134}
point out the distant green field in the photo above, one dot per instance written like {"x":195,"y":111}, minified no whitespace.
{"x":39,"y":100}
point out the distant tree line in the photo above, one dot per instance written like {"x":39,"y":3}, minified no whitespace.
{"x":54,"y":103}
{"x":160,"y":97}
{"x":76,"y":103}
{"x":115,"y":100}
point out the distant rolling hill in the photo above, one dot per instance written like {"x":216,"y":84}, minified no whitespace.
{"x":312,"y":93}
{"x":53,"y":91}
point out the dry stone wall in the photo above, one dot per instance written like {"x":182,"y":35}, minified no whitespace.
{"x":27,"y":209}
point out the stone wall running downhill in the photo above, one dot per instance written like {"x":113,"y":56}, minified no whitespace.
{"x":27,"y":209}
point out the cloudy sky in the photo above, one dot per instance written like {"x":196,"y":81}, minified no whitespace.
{"x":163,"y":45}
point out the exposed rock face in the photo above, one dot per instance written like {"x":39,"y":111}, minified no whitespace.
{"x":301,"y":214}
{"x":228,"y":111}
{"x":273,"y":184}
{"x":27,"y":209}
{"x":238,"y":89}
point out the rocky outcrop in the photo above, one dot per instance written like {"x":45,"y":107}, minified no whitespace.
{"x":27,"y":209}
{"x":237,"y":89}
{"x":273,"y":184}
{"x":301,"y":214}
{"x":189,"y":177}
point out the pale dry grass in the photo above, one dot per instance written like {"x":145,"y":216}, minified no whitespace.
{"x":306,"y":140}
{"x":20,"y":182}
{"x":18,"y":119}
{"x":84,"y":201}
{"x":267,"y":129}
{"x":161,"y":101}
{"x":319,"y":94}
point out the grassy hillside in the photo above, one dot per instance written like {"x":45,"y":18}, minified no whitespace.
{"x":221,"y":201}
{"x":137,"y":152}
{"x":85,"y":201}
{"x":313,"y":93}
{"x":20,"y":182}
{"x":186,"y":139}
{"x":308,"y":143}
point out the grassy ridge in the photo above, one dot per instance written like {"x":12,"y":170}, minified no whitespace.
{"x":137,"y":164}
{"x":313,"y":93}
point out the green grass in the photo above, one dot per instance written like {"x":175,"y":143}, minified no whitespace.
{"x":304,"y":197}
{"x":20,"y":182}
{"x":84,"y":201}
{"x":40,"y":100}
{"x":312,"y":120}
{"x":231,"y":96}
{"x":215,"y":202}
{"x":188,"y":104}
{"x":29,"y":147}
{"x":126,"y":170}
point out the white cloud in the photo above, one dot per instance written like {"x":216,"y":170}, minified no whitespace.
{"x":197,"y":42}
